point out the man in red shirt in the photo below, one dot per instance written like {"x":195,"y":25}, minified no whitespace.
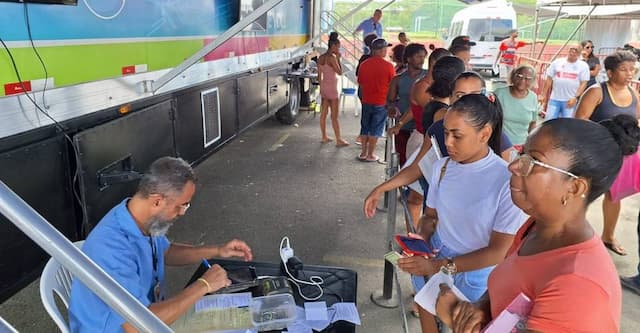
{"x":507,"y":54}
{"x":374,"y":77}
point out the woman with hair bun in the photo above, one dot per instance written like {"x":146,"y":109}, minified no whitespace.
{"x":601,"y":102}
{"x":556,"y":260}
{"x":329,"y":68}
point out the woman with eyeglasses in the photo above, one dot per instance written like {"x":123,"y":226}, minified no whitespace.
{"x":470,"y":219}
{"x":519,"y":104}
{"x":557,"y":260}
{"x":602,"y":102}
{"x":594,"y":63}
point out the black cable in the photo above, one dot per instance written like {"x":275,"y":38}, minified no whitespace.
{"x":62,"y":130}
{"x":35,"y":50}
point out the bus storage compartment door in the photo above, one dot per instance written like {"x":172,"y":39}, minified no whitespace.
{"x":278,"y":87}
{"x":252,"y":99}
{"x":144,"y":135}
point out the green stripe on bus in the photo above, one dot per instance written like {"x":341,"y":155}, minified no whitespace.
{"x":93,"y":62}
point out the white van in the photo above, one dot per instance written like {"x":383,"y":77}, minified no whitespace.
{"x":487,"y":24}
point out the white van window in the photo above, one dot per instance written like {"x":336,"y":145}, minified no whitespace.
{"x":489,"y":30}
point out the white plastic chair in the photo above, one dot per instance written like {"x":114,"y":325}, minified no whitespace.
{"x":347,"y":90}
{"x":56,"y":279}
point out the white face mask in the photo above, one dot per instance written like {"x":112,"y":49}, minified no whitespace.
{"x":158,"y":227}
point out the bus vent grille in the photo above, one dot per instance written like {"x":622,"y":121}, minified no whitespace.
{"x":210,"y":116}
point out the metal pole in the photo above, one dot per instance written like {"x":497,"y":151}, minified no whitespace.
{"x":407,"y":216}
{"x":574,"y":32}
{"x":535,"y":32}
{"x":386,"y":299}
{"x":342,"y":20}
{"x":550,"y":30}
{"x":164,"y":79}
{"x":387,"y":4}
{"x":53,"y":242}
{"x":389,"y":147}
{"x":6,"y":327}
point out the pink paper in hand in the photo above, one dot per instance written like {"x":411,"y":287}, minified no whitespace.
{"x":517,"y":311}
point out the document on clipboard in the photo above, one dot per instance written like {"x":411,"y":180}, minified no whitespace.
{"x":427,"y":161}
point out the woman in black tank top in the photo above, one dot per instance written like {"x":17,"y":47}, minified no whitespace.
{"x":602,"y":102}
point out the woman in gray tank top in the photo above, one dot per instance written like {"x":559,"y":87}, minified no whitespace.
{"x":604,"y":101}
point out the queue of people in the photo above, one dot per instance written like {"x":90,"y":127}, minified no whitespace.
{"x":505,"y":208}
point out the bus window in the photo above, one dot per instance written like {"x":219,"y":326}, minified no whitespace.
{"x":492,"y":30}
{"x":500,"y":29}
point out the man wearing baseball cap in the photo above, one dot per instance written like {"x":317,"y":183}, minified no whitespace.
{"x":374,"y":77}
{"x":461,"y":48}
{"x":462,"y":40}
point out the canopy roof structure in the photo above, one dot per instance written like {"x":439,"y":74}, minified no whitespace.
{"x":605,"y":9}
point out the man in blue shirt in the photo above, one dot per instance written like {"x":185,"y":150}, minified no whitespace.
{"x":371,"y":25}
{"x":130,"y":245}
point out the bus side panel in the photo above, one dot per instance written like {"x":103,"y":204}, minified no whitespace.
{"x":39,"y":174}
{"x":132,"y":142}
{"x":252,"y":99}
{"x":278,"y":89}
{"x":190,"y":141}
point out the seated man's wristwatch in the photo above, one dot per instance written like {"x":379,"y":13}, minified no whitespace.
{"x":450,"y":267}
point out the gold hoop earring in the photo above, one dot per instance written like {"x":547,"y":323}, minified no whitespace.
{"x":564,"y":201}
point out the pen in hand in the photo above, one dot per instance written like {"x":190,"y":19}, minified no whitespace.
{"x":206,"y":264}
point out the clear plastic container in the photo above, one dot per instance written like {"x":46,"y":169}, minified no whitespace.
{"x":273,"y":312}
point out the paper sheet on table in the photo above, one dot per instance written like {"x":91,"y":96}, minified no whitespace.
{"x":250,"y":330}
{"x":347,"y":312}
{"x":214,"y":320}
{"x":298,"y":327}
{"x":223,"y":301}
{"x":316,"y":310}
{"x":338,"y":311}
{"x":319,"y":325}
{"x":428,"y":295}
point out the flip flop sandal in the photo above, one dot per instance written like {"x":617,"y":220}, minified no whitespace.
{"x":615,"y":248}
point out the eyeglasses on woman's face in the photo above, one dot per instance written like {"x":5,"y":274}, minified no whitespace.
{"x":522,"y":165}
{"x":520,"y":76}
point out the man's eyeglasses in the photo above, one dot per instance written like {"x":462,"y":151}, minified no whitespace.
{"x":523,"y":164}
{"x":522,"y":77}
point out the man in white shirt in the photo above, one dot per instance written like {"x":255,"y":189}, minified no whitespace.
{"x":567,"y":78}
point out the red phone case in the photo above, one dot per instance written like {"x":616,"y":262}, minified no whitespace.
{"x":408,"y":250}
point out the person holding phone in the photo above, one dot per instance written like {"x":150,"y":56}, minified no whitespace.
{"x":470,"y":219}
{"x":557,"y":259}
{"x":329,"y":68}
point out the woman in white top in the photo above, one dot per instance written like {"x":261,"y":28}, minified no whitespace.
{"x":470,"y":220}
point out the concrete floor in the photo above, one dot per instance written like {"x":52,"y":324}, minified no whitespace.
{"x":277,"y":180}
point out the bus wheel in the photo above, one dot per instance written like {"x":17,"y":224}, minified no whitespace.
{"x":288,"y":113}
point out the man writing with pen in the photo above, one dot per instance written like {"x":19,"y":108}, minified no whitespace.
{"x":130,"y":245}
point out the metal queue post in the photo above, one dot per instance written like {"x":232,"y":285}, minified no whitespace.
{"x":386,"y":299}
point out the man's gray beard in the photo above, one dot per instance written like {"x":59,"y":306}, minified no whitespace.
{"x":158,"y":227}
